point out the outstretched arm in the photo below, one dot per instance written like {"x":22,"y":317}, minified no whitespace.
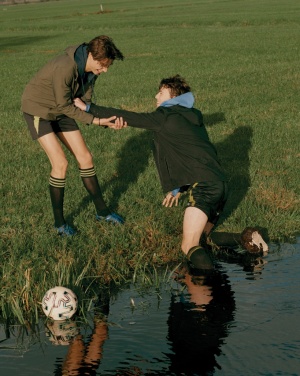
{"x":111,"y":122}
{"x":146,"y":120}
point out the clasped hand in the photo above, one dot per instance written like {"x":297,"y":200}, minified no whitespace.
{"x":113,"y":122}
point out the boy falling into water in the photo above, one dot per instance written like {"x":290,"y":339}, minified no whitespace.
{"x":185,"y":159}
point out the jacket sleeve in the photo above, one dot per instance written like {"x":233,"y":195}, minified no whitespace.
{"x":148,"y":120}
{"x":62,"y":88}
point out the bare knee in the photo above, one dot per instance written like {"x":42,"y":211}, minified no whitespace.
{"x":85,"y":160}
{"x":59,"y":168}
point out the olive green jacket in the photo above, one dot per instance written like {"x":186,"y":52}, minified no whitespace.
{"x":50,"y":93}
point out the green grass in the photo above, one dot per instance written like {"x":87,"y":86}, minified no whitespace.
{"x":242,"y":61}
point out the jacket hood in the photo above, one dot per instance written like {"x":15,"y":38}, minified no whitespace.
{"x":80,"y":56}
{"x":183,"y":104}
{"x":185,"y":100}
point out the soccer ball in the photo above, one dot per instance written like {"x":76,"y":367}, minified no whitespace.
{"x":59,"y":303}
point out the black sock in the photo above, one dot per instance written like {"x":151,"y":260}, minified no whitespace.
{"x":200,"y":258}
{"x":104,"y":213}
{"x":57,"y":191}
{"x":91,"y":184}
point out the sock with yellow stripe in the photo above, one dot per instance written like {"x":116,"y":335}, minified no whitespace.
{"x":57,"y":191}
{"x":90,"y":181}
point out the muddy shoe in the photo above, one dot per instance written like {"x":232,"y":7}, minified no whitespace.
{"x":252,"y":241}
{"x":200,"y":258}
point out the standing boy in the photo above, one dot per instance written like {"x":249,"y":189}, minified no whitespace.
{"x":47,"y":105}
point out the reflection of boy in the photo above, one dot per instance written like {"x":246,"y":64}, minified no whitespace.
{"x":185,"y":160}
{"x":198,"y":322}
{"x":84,"y":359}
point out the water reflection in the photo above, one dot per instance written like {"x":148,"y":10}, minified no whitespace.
{"x":61,"y":332}
{"x":200,"y":313}
{"x":253,"y":264}
{"x":243,"y":319}
{"x":84,"y":358}
{"x":199,"y":322}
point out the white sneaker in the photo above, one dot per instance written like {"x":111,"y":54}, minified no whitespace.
{"x":252,"y":241}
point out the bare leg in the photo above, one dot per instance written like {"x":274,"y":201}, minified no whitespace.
{"x":56,"y":155}
{"x":76,"y":144}
{"x":194,"y":223}
{"x":59,"y":164}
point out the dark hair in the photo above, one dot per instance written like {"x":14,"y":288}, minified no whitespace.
{"x":176,"y":84}
{"x":103,"y":48}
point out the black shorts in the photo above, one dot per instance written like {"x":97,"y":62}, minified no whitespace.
{"x":210,"y":197}
{"x":39,"y":127}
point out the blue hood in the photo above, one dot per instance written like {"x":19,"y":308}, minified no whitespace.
{"x":185,"y":100}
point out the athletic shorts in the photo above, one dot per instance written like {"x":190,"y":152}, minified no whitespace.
{"x":210,"y":197}
{"x":39,"y":127}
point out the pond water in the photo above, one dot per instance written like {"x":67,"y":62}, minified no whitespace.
{"x":242,"y":320}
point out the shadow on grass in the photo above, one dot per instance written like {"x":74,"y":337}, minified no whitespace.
{"x":234,"y":156}
{"x":7,"y":43}
{"x":212,"y":119}
{"x":133,"y":160}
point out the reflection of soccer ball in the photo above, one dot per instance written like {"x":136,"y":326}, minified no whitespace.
{"x":61,"y":332}
{"x":59,"y":303}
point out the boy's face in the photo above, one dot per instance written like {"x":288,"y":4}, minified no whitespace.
{"x":163,"y":95}
{"x":97,"y":67}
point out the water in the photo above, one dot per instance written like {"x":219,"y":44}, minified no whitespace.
{"x":244,"y":320}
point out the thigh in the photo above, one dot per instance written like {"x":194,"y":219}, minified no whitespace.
{"x":77,"y":146}
{"x":54,"y":151}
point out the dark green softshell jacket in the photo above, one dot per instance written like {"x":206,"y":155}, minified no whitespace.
{"x":182,"y":151}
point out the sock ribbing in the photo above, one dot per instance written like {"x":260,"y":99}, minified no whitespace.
{"x":87,"y":172}
{"x":56,"y":182}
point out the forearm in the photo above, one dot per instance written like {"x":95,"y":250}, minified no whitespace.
{"x":151,"y":121}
